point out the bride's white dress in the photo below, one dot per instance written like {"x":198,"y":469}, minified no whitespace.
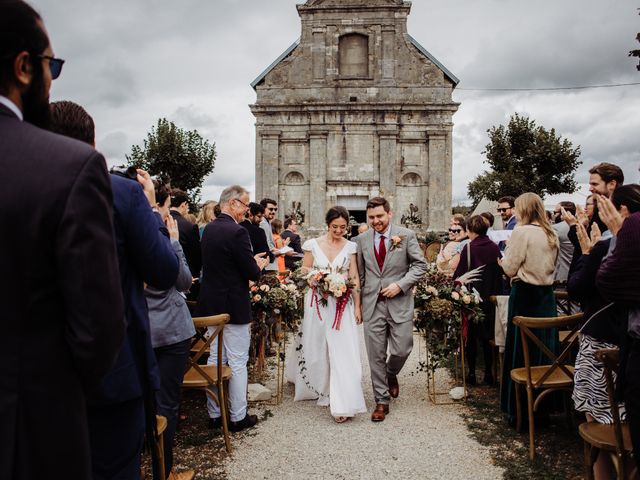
{"x":324,"y":363}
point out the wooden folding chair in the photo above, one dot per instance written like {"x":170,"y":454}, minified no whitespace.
{"x":431,"y":251}
{"x":544,"y":378}
{"x":161,"y":426}
{"x":206,"y":377}
{"x":615,"y":438}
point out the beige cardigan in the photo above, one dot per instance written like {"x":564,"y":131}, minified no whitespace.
{"x":529,"y":257}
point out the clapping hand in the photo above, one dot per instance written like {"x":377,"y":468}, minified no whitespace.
{"x":582,"y":216}
{"x":261,"y":260}
{"x":568,"y":217}
{"x":172,"y":226}
{"x":586,"y":243}
{"x":608,"y":214}
{"x":145,"y":180}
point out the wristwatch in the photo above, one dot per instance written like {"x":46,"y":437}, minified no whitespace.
{"x":155,"y":209}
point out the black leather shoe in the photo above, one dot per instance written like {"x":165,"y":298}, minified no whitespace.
{"x":471,"y":379}
{"x":247,"y":422}
{"x":214,"y":423}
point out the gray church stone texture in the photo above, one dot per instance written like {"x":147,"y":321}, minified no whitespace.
{"x":353,"y":109}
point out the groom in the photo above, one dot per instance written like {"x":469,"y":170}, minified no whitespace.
{"x":390,"y":263}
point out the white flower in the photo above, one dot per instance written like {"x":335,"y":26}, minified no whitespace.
{"x":257,"y":298}
{"x":466,"y":299}
{"x":264,"y":288}
{"x":455,"y":295}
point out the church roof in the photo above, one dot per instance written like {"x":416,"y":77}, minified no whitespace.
{"x":414,"y":42}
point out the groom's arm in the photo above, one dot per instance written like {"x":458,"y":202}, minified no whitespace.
{"x":417,"y":265}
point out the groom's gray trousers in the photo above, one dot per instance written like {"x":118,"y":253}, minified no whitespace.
{"x":382,"y":334}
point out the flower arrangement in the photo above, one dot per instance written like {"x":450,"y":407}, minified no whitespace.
{"x":272,"y":296}
{"x":325,"y":283}
{"x":444,"y":307}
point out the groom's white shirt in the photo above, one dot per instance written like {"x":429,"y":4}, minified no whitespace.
{"x":386,"y":234}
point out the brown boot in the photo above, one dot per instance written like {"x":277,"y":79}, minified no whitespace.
{"x":379,"y":413}
{"x":186,"y":475}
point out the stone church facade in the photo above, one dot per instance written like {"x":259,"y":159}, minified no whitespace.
{"x":355,"y":108}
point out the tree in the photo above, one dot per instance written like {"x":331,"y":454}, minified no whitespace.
{"x":178,"y":157}
{"x":525,"y":157}
{"x":636,"y":53}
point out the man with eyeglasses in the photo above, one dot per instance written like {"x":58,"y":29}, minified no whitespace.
{"x":506,"y":210}
{"x":63,"y":316}
{"x":228,"y":263}
{"x":270,"y":210}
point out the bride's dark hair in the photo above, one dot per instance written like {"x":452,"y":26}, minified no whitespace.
{"x":337,"y":212}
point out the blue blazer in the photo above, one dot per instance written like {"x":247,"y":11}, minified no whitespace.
{"x":228,"y":265}
{"x":145,"y":255}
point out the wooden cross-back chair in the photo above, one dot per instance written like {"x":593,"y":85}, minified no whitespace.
{"x":213,"y":379}
{"x":545,"y":379}
{"x":615,"y":438}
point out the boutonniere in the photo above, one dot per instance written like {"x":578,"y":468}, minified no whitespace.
{"x":396,"y":241}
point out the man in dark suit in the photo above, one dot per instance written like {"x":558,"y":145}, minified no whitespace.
{"x":256,"y":234}
{"x":228,"y":266}
{"x":189,"y":233}
{"x":118,"y":406}
{"x":290,"y":232}
{"x":63,"y":317}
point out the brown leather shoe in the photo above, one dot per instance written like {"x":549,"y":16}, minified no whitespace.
{"x":379,"y":413}
{"x":394,"y":388}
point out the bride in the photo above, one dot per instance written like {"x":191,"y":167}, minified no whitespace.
{"x":326,"y":360}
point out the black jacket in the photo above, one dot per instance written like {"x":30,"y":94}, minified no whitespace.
{"x":292,"y":262}
{"x":258,"y":239}
{"x":62,"y":321}
{"x":228,"y":265}
{"x":190,"y":242}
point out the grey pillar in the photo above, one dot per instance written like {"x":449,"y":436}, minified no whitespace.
{"x":317,"y":178}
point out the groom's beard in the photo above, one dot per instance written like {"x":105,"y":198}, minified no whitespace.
{"x":35,"y":102}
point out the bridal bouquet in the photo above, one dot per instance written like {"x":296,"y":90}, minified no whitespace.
{"x":325,"y":283}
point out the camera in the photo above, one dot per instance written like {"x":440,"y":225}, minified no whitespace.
{"x":126,"y":172}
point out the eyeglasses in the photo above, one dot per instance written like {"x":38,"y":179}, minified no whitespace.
{"x":500,"y":210}
{"x":455,"y":230}
{"x":243,"y":204}
{"x":55,"y":65}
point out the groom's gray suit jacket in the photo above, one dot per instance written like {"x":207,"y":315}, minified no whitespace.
{"x":404,"y":265}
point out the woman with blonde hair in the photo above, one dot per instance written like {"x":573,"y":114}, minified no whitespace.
{"x":206,"y":214}
{"x":530,"y":261}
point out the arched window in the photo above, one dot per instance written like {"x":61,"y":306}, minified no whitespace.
{"x":411,"y":180}
{"x":294,"y":178}
{"x":354,"y":55}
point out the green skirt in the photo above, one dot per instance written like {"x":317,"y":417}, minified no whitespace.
{"x":528,"y":301}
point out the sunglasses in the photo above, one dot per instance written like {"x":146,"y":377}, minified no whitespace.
{"x":503,"y":209}
{"x":273,"y":209}
{"x":455,"y":230}
{"x":55,"y":65}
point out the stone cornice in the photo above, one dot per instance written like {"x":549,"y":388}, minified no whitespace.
{"x":355,"y":107}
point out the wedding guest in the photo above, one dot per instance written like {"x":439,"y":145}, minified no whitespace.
{"x":449,"y":255}
{"x":122,"y":404}
{"x":171,"y":332}
{"x":270,"y":210}
{"x":363,"y":227}
{"x":589,"y":207}
{"x":507,"y":213}
{"x":604,"y":326}
{"x":490,"y":218}
{"x":530,"y":260}
{"x":256,"y":234}
{"x":618,"y":280}
{"x":481,"y":252}
{"x":189,"y":232}
{"x":276,"y":229}
{"x":566,"y":247}
{"x":206,"y":215}
{"x":62,"y":319}
{"x":225,"y":289}
{"x":290,"y":233}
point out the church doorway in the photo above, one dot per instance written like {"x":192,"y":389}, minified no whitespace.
{"x":357,"y":217}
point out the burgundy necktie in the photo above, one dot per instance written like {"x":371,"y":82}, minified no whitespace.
{"x":382,"y":252}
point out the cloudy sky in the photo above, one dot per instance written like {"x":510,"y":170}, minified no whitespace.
{"x":130,"y":62}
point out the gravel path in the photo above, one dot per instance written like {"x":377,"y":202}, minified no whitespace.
{"x":417,"y":439}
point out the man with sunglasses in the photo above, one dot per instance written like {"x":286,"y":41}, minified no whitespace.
{"x":270,"y":208}
{"x":63,"y":317}
{"x":507,"y":213}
